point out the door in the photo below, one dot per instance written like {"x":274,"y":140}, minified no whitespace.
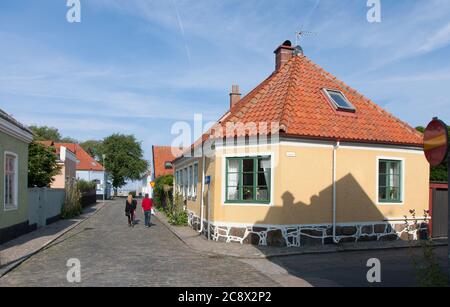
{"x":440,"y":213}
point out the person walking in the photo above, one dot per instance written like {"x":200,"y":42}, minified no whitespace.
{"x":130,"y":207}
{"x":147,"y":205}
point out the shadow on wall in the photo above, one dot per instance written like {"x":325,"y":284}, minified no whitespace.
{"x":358,"y":219}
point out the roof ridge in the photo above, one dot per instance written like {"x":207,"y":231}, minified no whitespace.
{"x":292,"y":79}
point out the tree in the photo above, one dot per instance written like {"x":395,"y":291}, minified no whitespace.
{"x":159,"y":195}
{"x":124,"y":159}
{"x":45,"y":133}
{"x":440,"y":172}
{"x":42,"y":165}
{"x":93,"y":148}
{"x":68,"y":139}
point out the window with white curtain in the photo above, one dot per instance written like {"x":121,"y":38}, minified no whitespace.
{"x":248,"y":180}
{"x":11,"y":181}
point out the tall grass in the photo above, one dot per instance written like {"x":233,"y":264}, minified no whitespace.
{"x":72,"y":202}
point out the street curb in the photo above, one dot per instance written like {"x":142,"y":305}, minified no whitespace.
{"x":7,"y":268}
{"x":173,"y":231}
{"x":336,"y":249}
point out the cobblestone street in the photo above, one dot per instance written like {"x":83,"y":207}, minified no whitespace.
{"x":111,"y":254}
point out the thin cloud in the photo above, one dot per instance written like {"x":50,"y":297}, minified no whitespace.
{"x":439,"y":40}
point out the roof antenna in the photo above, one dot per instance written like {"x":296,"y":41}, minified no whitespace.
{"x":298,"y":36}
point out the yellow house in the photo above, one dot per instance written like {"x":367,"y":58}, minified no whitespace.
{"x":304,"y":159}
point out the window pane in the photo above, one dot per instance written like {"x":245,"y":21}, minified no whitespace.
{"x":394,"y":168}
{"x":382,"y":182}
{"x":264,"y":164}
{"x":247,"y":165}
{"x":395,"y":181}
{"x":264,"y":178}
{"x":233,"y":166}
{"x":383,"y":167}
{"x":248,"y":179}
{"x":394,"y":194}
{"x":262,"y":194}
{"x":233,"y":180}
{"x":382,"y":193}
{"x":248,"y":193}
{"x":340,"y":100}
{"x":232,"y":193}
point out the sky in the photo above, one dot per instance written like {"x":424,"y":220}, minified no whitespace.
{"x":139,"y":66}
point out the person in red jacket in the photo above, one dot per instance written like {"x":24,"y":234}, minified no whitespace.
{"x":147,"y":204}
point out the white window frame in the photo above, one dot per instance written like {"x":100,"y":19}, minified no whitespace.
{"x":334,"y":103}
{"x":16,"y":182}
{"x":272,"y":179}
{"x":377,"y":181}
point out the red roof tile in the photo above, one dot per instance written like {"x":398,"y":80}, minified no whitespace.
{"x":85,"y":161}
{"x":57,"y":146}
{"x":293,"y":96}
{"x":161,"y":155}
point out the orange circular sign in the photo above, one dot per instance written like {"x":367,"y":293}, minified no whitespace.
{"x":436,"y":142}
{"x":152,"y":184}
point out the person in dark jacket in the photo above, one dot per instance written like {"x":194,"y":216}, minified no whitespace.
{"x":130,"y":207}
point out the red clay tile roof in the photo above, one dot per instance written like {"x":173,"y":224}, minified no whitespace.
{"x":46,"y":143}
{"x":293,"y":96}
{"x":57,"y":146}
{"x":161,"y":155}
{"x":85,"y":161}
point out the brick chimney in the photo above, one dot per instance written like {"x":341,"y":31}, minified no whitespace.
{"x":283,"y":54}
{"x":235,"y":95}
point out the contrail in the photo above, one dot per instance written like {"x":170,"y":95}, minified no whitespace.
{"x":313,"y":10}
{"x":180,"y":25}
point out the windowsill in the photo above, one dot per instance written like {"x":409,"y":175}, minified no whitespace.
{"x":390,"y":203}
{"x":249,"y":204}
{"x":9,"y":209}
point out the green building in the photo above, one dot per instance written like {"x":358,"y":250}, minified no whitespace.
{"x":14,"y":141}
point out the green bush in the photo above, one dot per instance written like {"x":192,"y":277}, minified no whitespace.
{"x":72,"y":202}
{"x":180,"y":219}
{"x":176,"y":213}
{"x":86,"y":186}
{"x":162,"y":199}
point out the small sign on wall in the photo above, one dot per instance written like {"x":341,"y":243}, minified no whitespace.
{"x":291,"y":154}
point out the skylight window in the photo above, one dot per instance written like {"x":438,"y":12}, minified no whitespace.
{"x":338,"y":99}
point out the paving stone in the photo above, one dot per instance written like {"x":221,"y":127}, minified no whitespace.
{"x":112,"y":254}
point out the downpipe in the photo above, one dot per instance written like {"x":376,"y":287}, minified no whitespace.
{"x":335,"y":148}
{"x":202,"y":203}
